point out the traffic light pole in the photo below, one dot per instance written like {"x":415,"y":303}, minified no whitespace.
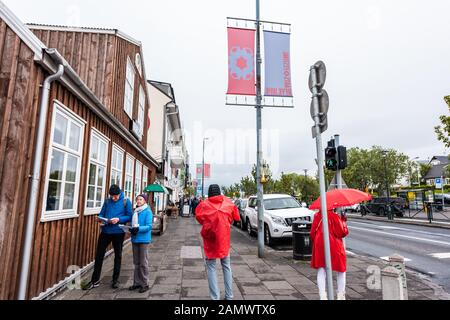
{"x":338,"y":172}
{"x":320,"y":159}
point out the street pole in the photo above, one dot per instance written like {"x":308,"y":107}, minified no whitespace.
{"x":260,"y":188}
{"x":203,"y":170}
{"x":387,"y":187}
{"x":323,"y":200}
{"x":443,"y":198}
{"x":338,"y":172}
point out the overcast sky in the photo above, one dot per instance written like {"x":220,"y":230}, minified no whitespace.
{"x":388,"y":71}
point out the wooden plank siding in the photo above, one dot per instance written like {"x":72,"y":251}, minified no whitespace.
{"x":19,"y":92}
{"x":63,"y":243}
{"x":101,"y":62}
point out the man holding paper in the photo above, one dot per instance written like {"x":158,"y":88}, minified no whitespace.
{"x":117,"y":210}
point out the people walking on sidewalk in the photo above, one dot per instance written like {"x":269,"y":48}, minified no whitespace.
{"x":216,"y":214}
{"x":141,"y":236}
{"x":116,"y":210}
{"x":338,"y":230}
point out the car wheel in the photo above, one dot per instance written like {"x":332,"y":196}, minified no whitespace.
{"x":268,"y":240}
{"x":249,"y":228}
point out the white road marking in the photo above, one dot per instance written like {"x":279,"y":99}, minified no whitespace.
{"x":350,"y":253}
{"x":401,"y":236}
{"x":404,"y":229}
{"x":443,"y":255}
{"x":387,"y":259}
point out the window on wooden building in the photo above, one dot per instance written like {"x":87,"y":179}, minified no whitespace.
{"x":117,"y":166}
{"x":138,"y":179}
{"x":144,"y":178}
{"x":141,"y":112}
{"x":63,"y":165}
{"x":129,"y":89}
{"x":129,"y":174}
{"x":98,"y":163}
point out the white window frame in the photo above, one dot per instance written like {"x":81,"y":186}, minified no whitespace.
{"x":61,"y":214}
{"x":115,"y":169}
{"x":139,"y":63}
{"x":102,"y":138}
{"x":141,"y":111}
{"x":129,"y":88}
{"x":144,"y":178}
{"x":127,"y":175}
{"x":138,"y":179}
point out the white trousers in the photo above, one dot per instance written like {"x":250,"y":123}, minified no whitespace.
{"x":322,"y":279}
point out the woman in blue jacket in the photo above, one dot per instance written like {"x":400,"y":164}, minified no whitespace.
{"x":141,"y":236}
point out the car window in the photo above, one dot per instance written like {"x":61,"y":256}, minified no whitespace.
{"x":252,"y":203}
{"x":281,"y":203}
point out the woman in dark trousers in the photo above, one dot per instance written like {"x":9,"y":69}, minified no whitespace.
{"x":141,"y":236}
{"x":116,"y":210}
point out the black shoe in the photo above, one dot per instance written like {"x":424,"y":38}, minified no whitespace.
{"x":115,"y":284}
{"x":91,"y":285}
{"x":144,"y":289}
{"x":133,"y":288}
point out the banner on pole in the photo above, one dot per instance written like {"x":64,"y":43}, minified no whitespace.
{"x":207,"y":171}
{"x":277,"y":64}
{"x":241,"y":62}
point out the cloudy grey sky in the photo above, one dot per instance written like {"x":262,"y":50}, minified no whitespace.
{"x":388,"y":71}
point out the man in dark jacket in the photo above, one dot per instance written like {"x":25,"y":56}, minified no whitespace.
{"x":116,"y":210}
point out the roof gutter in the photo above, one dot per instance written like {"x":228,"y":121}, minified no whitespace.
{"x":36,"y":174}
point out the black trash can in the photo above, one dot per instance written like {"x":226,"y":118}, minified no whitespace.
{"x":301,"y":241}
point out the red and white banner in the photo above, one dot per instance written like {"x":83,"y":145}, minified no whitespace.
{"x":241,"y":62}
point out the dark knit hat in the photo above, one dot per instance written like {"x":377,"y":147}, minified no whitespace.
{"x":214,"y":191}
{"x":114,"y":190}
{"x":144,"y":195}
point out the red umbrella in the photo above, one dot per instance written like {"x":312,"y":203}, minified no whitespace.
{"x":342,"y":198}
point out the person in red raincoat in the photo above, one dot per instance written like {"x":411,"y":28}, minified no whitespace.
{"x":216,"y":214}
{"x":337,"y":225}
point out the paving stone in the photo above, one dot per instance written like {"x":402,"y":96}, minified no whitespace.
{"x":270,"y":276}
{"x":165,"y":289}
{"x":258,"y":297}
{"x":278,"y":285}
{"x":255,"y":290}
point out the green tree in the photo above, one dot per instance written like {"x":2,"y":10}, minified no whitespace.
{"x":443,"y":131}
{"x":248,"y":186}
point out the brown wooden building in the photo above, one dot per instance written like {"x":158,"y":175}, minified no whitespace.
{"x":95,"y":135}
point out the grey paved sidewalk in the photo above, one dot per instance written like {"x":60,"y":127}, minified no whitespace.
{"x":177,"y":272}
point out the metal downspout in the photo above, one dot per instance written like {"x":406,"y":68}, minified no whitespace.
{"x":36,"y":174}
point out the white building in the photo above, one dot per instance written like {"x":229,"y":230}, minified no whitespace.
{"x":166,"y":142}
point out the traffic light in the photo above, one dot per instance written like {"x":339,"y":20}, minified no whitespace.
{"x":331,"y":161}
{"x":342,"y":158}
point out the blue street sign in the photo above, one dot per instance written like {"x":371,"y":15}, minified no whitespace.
{"x":438,"y":183}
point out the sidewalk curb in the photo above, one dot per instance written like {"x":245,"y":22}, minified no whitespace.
{"x":401,"y":221}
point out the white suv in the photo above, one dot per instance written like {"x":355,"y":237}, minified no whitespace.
{"x":280,"y":211}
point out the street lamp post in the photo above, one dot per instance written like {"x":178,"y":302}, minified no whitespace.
{"x":385,"y":153}
{"x":203,"y":168}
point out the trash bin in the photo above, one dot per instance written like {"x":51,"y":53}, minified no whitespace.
{"x":301,"y":241}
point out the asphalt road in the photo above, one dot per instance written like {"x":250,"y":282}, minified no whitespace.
{"x":426,"y":249}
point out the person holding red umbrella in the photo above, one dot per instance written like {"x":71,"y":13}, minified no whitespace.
{"x":216,"y":214}
{"x":338,"y":229}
